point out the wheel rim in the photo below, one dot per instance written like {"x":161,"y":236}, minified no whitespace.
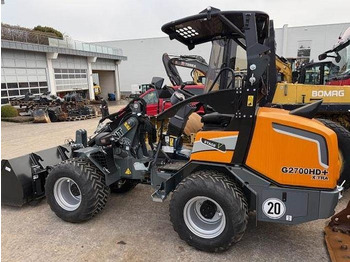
{"x":67,"y":193}
{"x":204,"y":217}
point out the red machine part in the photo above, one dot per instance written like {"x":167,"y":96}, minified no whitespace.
{"x":340,"y":82}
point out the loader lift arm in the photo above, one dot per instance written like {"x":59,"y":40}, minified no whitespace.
{"x":195,"y":62}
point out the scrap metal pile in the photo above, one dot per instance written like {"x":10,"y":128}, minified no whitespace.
{"x":337,"y":235}
{"x":47,"y":108}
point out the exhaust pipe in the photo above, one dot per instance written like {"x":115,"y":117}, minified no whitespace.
{"x":23,"y":178}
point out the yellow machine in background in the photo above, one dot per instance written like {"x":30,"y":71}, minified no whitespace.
{"x":97,"y":89}
{"x":291,"y":94}
{"x":329,"y":81}
{"x":284,"y":68}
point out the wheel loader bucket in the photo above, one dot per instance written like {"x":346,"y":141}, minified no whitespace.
{"x":41,"y":116}
{"x":23,"y":178}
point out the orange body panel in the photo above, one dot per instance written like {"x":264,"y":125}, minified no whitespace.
{"x":210,"y":154}
{"x":292,"y":160}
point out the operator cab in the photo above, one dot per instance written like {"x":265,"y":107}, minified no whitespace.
{"x":231,"y":34}
{"x":237,"y":78}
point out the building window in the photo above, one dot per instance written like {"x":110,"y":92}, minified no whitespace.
{"x":24,"y":91}
{"x":33,"y":84}
{"x":4,"y":101}
{"x":34,"y":90}
{"x":23,"y":84}
{"x":3,"y":86}
{"x":13,"y":92}
{"x":12,"y":85}
{"x":304,"y":51}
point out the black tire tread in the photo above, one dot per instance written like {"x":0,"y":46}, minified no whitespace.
{"x":344,"y":143}
{"x":222,"y":182}
{"x":95,"y":183}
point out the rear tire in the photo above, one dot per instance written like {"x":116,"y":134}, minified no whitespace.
{"x":209,"y":211}
{"x":343,"y":136}
{"x":76,"y":190}
{"x":123,"y":186}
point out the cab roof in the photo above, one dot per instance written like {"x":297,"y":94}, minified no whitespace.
{"x":212,"y":24}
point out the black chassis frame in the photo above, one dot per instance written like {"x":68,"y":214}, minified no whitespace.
{"x":233,"y":101}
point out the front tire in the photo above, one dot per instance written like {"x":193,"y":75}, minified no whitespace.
{"x":76,"y":190}
{"x":343,"y":136}
{"x":209,"y":211}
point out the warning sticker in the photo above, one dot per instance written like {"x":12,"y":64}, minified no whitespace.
{"x":250,"y":101}
{"x":128,"y":171}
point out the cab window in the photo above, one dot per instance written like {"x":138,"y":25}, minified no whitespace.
{"x":151,"y":98}
{"x":312,"y":75}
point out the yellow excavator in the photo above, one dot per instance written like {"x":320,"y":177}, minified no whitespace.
{"x":326,"y":80}
{"x":284,"y":69}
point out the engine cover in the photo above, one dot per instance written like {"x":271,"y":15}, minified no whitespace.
{"x":293,"y":150}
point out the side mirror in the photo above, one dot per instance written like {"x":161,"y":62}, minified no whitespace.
{"x":157,"y":82}
{"x":322,"y":56}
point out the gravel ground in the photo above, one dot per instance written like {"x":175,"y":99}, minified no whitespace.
{"x":132,"y":227}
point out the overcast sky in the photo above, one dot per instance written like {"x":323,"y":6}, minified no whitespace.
{"x":100,"y":20}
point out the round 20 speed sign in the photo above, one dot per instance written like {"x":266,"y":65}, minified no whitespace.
{"x":274,"y":208}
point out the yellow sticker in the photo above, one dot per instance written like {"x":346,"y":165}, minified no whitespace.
{"x":128,"y":171}
{"x":128,"y":127}
{"x":171,"y":141}
{"x":250,"y":101}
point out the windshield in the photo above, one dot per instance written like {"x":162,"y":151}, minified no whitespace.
{"x":237,"y":61}
{"x":344,"y":63}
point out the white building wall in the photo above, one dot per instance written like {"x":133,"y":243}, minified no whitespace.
{"x":33,"y":72}
{"x":145,"y":55}
{"x":145,"y":59}
{"x":322,"y":38}
{"x":103,"y":64}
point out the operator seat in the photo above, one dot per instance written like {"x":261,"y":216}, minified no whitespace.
{"x":216,"y":121}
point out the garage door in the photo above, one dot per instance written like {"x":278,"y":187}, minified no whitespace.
{"x":22,"y":72}
{"x":20,"y":81}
